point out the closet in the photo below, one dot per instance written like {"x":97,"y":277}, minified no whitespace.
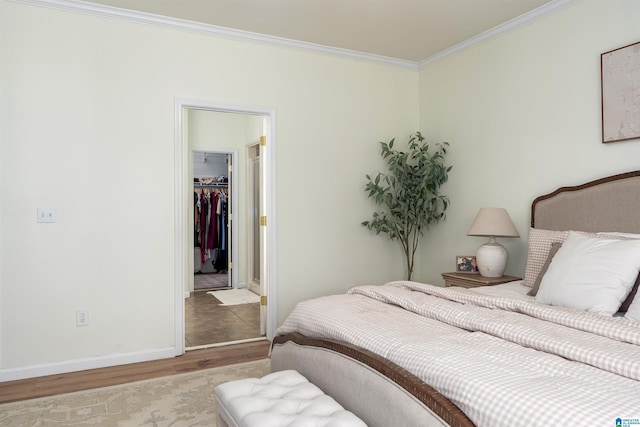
{"x":211,"y":232}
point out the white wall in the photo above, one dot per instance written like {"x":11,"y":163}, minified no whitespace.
{"x":523,"y":115}
{"x":87,"y":114}
{"x":208,"y":164}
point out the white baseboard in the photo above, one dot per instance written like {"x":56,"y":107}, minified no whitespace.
{"x":84,"y":364}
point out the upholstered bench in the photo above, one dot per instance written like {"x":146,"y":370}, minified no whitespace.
{"x":283,"y":398}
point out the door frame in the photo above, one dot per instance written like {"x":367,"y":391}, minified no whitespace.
{"x":181,"y":191}
{"x":249,"y":218}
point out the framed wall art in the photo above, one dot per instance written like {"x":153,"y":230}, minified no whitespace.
{"x":620,"y":73}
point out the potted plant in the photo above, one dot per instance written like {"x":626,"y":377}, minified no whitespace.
{"x":409,"y":193}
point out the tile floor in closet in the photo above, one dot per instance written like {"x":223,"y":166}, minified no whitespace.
{"x":208,"y":323}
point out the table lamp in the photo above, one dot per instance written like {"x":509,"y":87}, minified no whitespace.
{"x":492,"y":256}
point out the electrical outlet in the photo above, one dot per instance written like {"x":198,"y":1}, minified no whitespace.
{"x":82,"y":317}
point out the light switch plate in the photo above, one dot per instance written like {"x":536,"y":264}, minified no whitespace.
{"x":47,"y":215}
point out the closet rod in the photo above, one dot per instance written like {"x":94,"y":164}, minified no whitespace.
{"x":214,"y":184}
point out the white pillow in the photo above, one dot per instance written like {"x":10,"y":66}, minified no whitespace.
{"x":591,"y":273}
{"x":617,"y":233}
{"x":633,"y":312}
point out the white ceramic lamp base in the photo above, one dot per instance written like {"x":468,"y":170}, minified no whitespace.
{"x":492,"y":259}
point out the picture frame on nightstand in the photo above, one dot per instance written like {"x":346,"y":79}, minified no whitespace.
{"x":466,"y":264}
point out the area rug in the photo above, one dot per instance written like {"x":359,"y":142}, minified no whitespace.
{"x":235,"y":296}
{"x":176,"y":400}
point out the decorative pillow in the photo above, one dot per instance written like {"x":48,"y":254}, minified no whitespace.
{"x":536,"y":285}
{"x":627,"y":303}
{"x":634,"y":310}
{"x":591,"y":273}
{"x":540,"y":243}
{"x":554,"y":249}
{"x":616,"y":233}
{"x":539,"y":246}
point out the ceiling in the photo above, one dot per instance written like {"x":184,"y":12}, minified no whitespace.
{"x":409,"y":30}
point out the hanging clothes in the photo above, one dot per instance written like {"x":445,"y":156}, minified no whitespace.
{"x":203,"y":226}
{"x":212,"y":235}
{"x":221,"y":262}
{"x":210,"y":219}
{"x":196,"y":218}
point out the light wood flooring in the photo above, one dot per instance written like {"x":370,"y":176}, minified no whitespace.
{"x":11,"y":391}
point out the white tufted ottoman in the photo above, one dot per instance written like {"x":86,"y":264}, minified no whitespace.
{"x":283,"y":398}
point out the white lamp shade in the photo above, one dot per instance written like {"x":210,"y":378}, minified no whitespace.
{"x":492,"y":257}
{"x":494,"y":222}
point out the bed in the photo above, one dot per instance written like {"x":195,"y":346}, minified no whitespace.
{"x":560,"y":347}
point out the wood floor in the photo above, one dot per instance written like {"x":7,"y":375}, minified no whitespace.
{"x":11,"y":391}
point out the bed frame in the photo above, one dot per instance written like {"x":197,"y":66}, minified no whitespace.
{"x":382,"y":393}
{"x":378,"y":391}
{"x":588,"y":207}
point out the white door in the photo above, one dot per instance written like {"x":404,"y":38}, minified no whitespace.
{"x":257,"y":221}
{"x":264,"y":273}
{"x":230,"y":225}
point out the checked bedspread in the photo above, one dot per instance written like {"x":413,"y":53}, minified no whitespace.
{"x":504,"y":362}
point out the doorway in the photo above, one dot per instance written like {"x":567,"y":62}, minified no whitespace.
{"x":213,"y":228}
{"x":194,"y":123}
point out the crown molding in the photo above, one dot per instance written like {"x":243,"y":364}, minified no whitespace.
{"x":517,"y":22}
{"x":212,"y":30}
{"x":229,"y":33}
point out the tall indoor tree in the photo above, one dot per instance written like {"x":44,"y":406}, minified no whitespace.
{"x":409,"y":193}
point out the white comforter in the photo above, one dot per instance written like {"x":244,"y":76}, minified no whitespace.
{"x":502,"y":361}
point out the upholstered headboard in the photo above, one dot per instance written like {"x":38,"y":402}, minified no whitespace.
{"x":607,"y":204}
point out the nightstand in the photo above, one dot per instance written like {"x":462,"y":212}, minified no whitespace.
{"x":473,"y":280}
